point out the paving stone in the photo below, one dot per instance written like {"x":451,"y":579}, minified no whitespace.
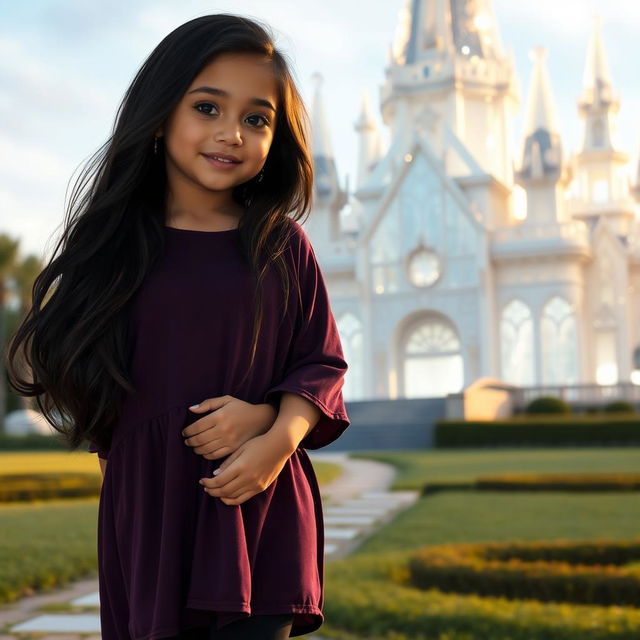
{"x":362,"y":520}
{"x":79,"y":623}
{"x":90,"y":600}
{"x":397,"y":495}
{"x":340,"y":534}
{"x":355,"y":511}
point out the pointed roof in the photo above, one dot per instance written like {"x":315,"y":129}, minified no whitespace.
{"x":541,"y":110}
{"x":466,"y":27}
{"x":597,"y":77}
{"x":325,"y":174}
{"x":321,"y":143}
{"x":542,"y":149}
{"x":366,"y":120}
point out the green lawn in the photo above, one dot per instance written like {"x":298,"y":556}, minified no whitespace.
{"x":419,"y":467}
{"x":366,"y":597}
{"x":460,"y":516}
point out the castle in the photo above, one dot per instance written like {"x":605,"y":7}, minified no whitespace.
{"x":471,"y":257}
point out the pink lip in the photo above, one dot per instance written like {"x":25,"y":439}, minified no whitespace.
{"x":218,"y":163}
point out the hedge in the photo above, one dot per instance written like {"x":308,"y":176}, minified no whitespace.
{"x":369,"y":596}
{"x":25,"y":487}
{"x":542,"y":482}
{"x":541,"y":431}
{"x":559,"y":571}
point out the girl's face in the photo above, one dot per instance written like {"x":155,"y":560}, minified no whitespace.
{"x":228,"y":109}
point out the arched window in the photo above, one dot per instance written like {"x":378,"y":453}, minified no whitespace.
{"x":433,"y":364}
{"x":559,"y":343}
{"x":516,"y":344}
{"x":350,"y":330}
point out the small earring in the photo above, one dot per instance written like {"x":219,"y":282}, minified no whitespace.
{"x":261,"y":175}
{"x":155,"y":146}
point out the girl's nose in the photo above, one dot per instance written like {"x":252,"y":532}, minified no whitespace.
{"x":229,"y":133}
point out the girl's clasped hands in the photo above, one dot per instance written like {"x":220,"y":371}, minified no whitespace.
{"x":240,"y":430}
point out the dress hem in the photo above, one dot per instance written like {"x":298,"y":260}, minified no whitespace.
{"x":262,"y":609}
{"x":171,"y":632}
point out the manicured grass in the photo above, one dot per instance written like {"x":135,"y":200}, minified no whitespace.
{"x":483,"y":516}
{"x":416,"y":468}
{"x":45,"y":544}
{"x":367,"y":595}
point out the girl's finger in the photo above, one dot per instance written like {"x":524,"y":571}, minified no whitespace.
{"x":210,"y":404}
{"x":217,"y":453}
{"x":240,"y":499}
{"x":214,"y":483}
{"x":229,"y":489}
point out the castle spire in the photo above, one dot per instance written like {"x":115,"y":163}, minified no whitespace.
{"x":597,"y":77}
{"x":542,"y":173}
{"x":598,"y":105}
{"x":325,"y":173}
{"x":370,"y":147}
{"x":542,"y":149}
{"x":600,"y":164}
{"x":446,"y":27}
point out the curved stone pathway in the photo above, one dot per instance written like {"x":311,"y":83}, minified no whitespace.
{"x":354,"y":505}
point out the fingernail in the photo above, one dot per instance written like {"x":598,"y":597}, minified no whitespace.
{"x":216,"y":472}
{"x":201,"y":481}
{"x":194,"y":406}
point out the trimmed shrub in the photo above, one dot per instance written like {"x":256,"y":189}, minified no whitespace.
{"x":542,"y":482}
{"x":32,"y":442}
{"x":368,"y":596}
{"x":25,"y":487}
{"x":619,"y":406}
{"x":561,"y":571}
{"x":560,"y":482}
{"x":541,"y":430}
{"x":547,"y":404}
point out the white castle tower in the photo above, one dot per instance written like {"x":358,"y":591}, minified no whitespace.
{"x":441,"y":283}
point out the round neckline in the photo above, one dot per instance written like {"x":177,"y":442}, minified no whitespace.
{"x":201,"y":231}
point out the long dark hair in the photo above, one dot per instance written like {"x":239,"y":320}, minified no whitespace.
{"x":72,"y":350}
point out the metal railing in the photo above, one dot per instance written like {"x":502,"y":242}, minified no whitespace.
{"x":592,"y":395}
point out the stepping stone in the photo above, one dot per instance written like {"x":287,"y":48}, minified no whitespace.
{"x":358,"y":503}
{"x":61,"y":623}
{"x":90,"y":600}
{"x":400,"y":495}
{"x":355,"y":511}
{"x":377,"y":502}
{"x":341,"y":534}
{"x":364,"y":520}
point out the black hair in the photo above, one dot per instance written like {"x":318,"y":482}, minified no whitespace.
{"x":72,"y":351}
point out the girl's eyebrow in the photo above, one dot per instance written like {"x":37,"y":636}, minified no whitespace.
{"x":225,"y":94}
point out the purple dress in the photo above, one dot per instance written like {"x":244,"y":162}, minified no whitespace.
{"x":170,"y":555}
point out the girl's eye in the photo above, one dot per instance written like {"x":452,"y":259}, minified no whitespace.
{"x":210,"y":104}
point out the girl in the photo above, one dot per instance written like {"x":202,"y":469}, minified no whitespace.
{"x":172,"y":289}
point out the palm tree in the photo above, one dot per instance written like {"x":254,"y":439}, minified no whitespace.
{"x":8,"y":254}
{"x":24,"y":275}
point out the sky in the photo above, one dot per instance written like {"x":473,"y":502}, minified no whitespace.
{"x":65,"y":65}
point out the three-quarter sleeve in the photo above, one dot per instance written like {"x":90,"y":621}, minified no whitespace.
{"x":315,"y":364}
{"x":93,"y":448}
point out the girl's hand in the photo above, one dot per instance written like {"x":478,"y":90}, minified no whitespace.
{"x":232,"y":423}
{"x":249,"y":470}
